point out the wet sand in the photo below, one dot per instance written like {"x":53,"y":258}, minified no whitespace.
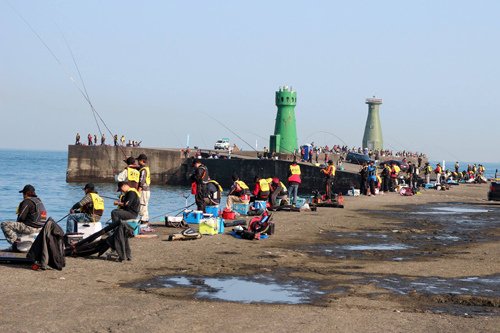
{"x":95,"y":295}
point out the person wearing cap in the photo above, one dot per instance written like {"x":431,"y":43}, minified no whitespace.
{"x":199,"y":180}
{"x":294,"y":181}
{"x":278,"y":192}
{"x":130,"y":173}
{"x":329,"y":173}
{"x":128,"y":205}
{"x":144,"y":190}
{"x":239,"y":192}
{"x":89,"y":209}
{"x":31,"y":216}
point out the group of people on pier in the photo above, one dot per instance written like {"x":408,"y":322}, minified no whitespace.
{"x":92,"y":140}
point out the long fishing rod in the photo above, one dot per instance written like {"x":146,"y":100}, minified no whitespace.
{"x":174,"y":211}
{"x":82,"y":92}
{"x":87,"y":97}
{"x":230,"y":130}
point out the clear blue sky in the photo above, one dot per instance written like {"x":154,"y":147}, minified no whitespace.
{"x":154,"y":68}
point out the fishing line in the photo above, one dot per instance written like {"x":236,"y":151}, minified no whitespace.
{"x":179,"y":210}
{"x":230,"y":130}
{"x":82,"y":92}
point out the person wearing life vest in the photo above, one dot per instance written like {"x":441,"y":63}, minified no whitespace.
{"x":395,"y":170}
{"x":239,"y":192}
{"x":372,"y":177}
{"x":213,"y":193}
{"x":199,"y":180}
{"x":144,"y":189}
{"x":261,"y":189}
{"x":31,"y":217}
{"x":128,"y":205}
{"x":278,"y":195}
{"x":89,"y":209}
{"x":386,"y":178}
{"x":427,"y":172}
{"x":130,"y":174}
{"x":294,"y":181}
{"x":438,"y":171}
{"x":329,"y":177}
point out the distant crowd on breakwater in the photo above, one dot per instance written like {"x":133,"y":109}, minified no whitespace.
{"x":92,"y":140}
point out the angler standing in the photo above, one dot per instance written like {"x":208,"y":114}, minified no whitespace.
{"x":294,"y":181}
{"x":329,"y":173}
{"x":31,"y":217}
{"x":199,"y":180}
{"x":130,"y":174}
{"x":144,"y":189}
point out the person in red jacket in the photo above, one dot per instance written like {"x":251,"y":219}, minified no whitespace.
{"x":293,"y":181}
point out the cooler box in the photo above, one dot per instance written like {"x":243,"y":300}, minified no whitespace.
{"x":300,"y":202}
{"x":89,"y":228}
{"x":192,"y":216}
{"x":220,"y":220}
{"x":134,"y":224}
{"x":214,"y":210}
{"x":241,"y":208}
{"x":209,"y":226}
{"x":258,"y":204}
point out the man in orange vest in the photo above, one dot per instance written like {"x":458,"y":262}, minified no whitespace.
{"x":438,"y":172}
{"x":329,"y":173}
{"x":293,"y":181}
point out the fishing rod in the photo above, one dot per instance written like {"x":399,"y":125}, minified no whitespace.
{"x":230,"y":130}
{"x":63,"y":218}
{"x":87,"y":97}
{"x":83,"y":92}
{"x":173,"y":211}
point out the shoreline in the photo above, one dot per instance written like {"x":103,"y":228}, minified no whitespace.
{"x":90,"y":294}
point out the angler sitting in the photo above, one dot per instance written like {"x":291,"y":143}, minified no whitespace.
{"x":261,"y":189}
{"x":128,"y":205}
{"x":239,"y":192}
{"x":31,"y":217}
{"x":279,"y":194}
{"x":213,"y":193}
{"x":89,"y":209}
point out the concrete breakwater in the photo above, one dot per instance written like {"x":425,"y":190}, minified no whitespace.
{"x":168,"y":166}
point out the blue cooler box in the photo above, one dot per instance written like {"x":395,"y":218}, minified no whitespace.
{"x":241,"y":208}
{"x":134,"y":224}
{"x":214,"y":210}
{"x":220,"y":220}
{"x":259,"y":204}
{"x":192,"y":216}
{"x":300,"y":202}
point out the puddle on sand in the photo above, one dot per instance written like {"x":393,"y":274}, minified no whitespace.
{"x":487,"y":286}
{"x":465,"y":296}
{"x":254,"y":289}
{"x":375,"y":247}
{"x":451,"y":210}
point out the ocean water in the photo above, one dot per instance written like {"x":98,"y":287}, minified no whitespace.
{"x":46,"y":171}
{"x":490,"y":167}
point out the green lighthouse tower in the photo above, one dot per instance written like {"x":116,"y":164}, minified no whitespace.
{"x":284,"y":139}
{"x":372,"y":139}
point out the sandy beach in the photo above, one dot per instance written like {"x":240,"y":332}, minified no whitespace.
{"x":96,"y":295}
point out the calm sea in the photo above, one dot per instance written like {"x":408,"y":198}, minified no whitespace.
{"x":46,"y":171}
